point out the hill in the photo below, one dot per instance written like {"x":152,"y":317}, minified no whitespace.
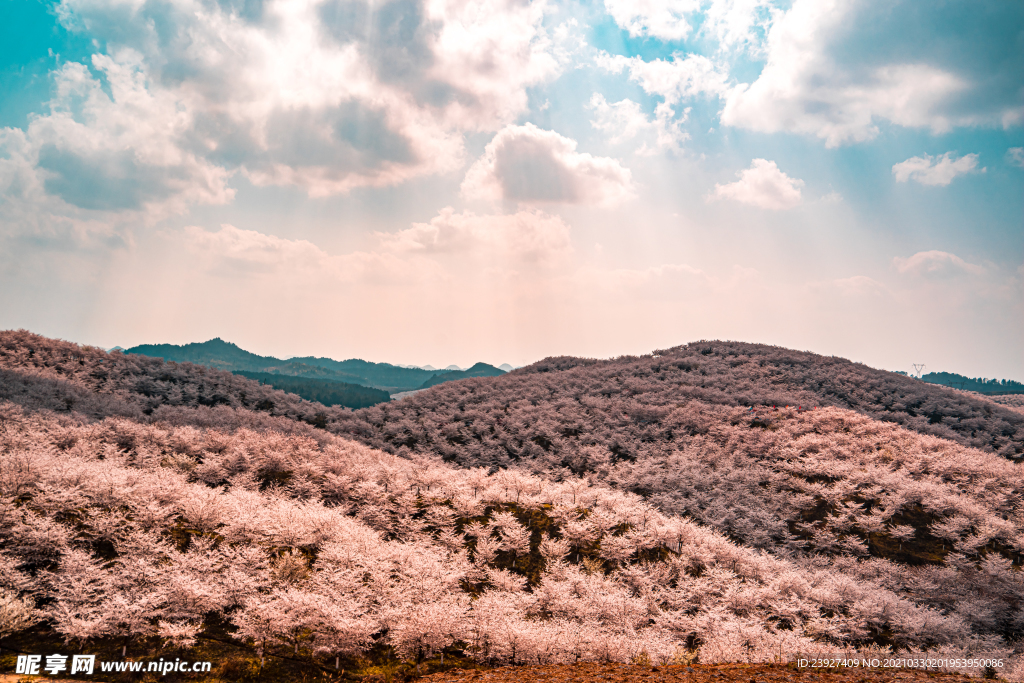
{"x":570,"y":400}
{"x":478,"y":370}
{"x":380,"y":375}
{"x":223,"y":355}
{"x":326,"y":392}
{"x":215,"y":353}
{"x":38,"y":373}
{"x":618,"y":516}
{"x":313,"y":554}
{"x":976,"y":384}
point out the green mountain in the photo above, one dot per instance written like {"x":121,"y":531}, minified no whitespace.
{"x":325,"y":391}
{"x":382,"y":375}
{"x":223,"y":355}
{"x":215,"y":353}
{"x":978,"y":384}
{"x":478,"y":370}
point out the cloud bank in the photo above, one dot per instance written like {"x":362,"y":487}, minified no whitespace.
{"x":762,"y":185}
{"x":532,"y":166}
{"x":935,"y":264}
{"x":929,"y":170}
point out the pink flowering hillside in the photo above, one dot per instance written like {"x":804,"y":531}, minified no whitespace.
{"x":620,"y":531}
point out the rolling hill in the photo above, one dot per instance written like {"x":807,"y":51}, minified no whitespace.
{"x":976,"y":384}
{"x":656,"y":505}
{"x":327,"y":392}
{"x":478,"y":370}
{"x":223,"y":355}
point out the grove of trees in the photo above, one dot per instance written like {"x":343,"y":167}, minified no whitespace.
{"x":564,"y":512}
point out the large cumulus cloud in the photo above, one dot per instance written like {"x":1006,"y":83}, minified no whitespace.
{"x":837,"y":69}
{"x":533,"y":166}
{"x":325,"y":95}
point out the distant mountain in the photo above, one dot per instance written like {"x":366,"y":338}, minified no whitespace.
{"x":453,"y":368}
{"x":325,"y":391}
{"x":380,"y":375}
{"x":978,"y":384}
{"x":223,"y":355}
{"x":215,"y":353}
{"x":506,"y":367}
{"x":478,"y":370}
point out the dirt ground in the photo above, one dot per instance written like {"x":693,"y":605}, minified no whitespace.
{"x":622,"y":673}
{"x":726,"y":673}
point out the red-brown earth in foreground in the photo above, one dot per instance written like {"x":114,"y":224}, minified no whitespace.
{"x":725,"y":673}
{"x":624,"y":673}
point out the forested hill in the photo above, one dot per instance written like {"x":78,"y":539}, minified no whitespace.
{"x":222,"y":355}
{"x":978,"y":384}
{"x":561,"y":399}
{"x":478,"y":370}
{"x":215,"y":353}
{"x":659,"y":510}
{"x":559,"y":404}
{"x":48,"y":374}
{"x":374,"y":374}
{"x":327,"y":392}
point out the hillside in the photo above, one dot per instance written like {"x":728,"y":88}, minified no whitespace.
{"x":215,"y":353}
{"x":380,"y":375}
{"x":554,"y":406}
{"x":326,"y":392}
{"x":222,"y":355}
{"x":977,"y":384}
{"x":478,"y":370}
{"x":318,"y":552}
{"x":37,"y":373}
{"x":609,"y":521}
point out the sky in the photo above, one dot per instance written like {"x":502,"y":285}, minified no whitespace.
{"x":453,"y":181}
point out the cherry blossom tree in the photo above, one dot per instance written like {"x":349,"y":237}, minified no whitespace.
{"x":16,"y":612}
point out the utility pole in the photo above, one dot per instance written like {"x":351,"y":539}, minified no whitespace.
{"x":918,"y":367}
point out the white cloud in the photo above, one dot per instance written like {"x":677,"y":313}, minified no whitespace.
{"x":234,"y":255}
{"x":663,"y":19}
{"x":529,"y":165}
{"x":762,"y":185}
{"x":119,"y":151}
{"x":859,"y":285}
{"x":732,"y":23}
{"x":253,"y":251}
{"x":527,"y":236}
{"x":684,"y":77}
{"x":323,"y":95}
{"x":107,"y":156}
{"x":935,"y":264}
{"x":929,"y":170}
{"x":625,"y":120}
{"x":821,"y":80}
{"x":1015,"y":155}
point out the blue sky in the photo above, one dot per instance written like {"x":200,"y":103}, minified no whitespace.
{"x":447,"y":181}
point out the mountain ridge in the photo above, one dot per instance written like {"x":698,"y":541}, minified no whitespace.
{"x":223,"y":355}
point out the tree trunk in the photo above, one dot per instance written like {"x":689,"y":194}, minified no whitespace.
{"x":337,"y":662}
